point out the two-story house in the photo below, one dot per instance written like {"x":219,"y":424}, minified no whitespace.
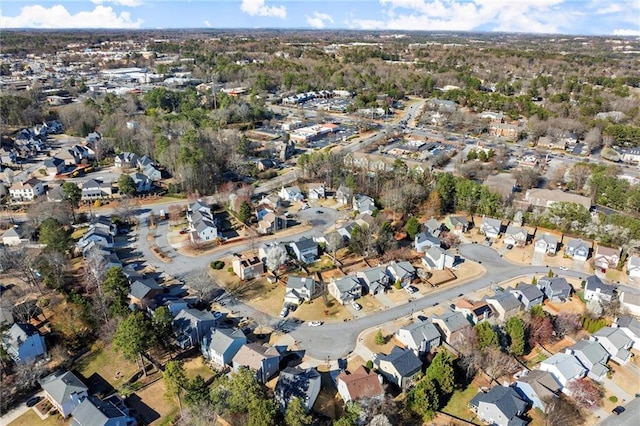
{"x":399,"y":367}
{"x":577,"y":249}
{"x":248,"y":267}
{"x":375,"y":279}
{"x":220,"y":345}
{"x":420,"y":337}
{"x":346,"y":289}
{"x":606,"y":258}
{"x":305,"y":250}
{"x":299,"y":289}
{"x":24,"y":343}
{"x":546,"y":244}
{"x":491,"y":228}
{"x":26,"y":191}
{"x":402,"y":272}
{"x":65,"y":391}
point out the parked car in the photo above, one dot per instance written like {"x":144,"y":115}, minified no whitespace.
{"x":315,"y":323}
{"x":618,"y":410}
{"x":563,"y":268}
{"x":410,"y":289}
{"x":33,"y":401}
{"x":284,"y":312}
{"x":509,"y":246}
{"x":356,"y":306}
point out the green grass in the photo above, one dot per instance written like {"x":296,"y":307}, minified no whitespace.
{"x":169,"y":418}
{"x":30,"y":418}
{"x":107,"y":363}
{"x":536,"y":360}
{"x":78,"y":233}
{"x":196,"y":367}
{"x":458,"y":405}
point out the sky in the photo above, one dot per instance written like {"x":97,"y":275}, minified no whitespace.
{"x":577,"y":17}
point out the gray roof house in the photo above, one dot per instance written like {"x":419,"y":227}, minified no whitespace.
{"x":490,"y":227}
{"x":450,"y":324}
{"x":420,"y":337}
{"x":376,"y":279}
{"x":399,"y":367}
{"x":264,"y":360}
{"x":529,"y":295}
{"x":433,"y":227}
{"x":191,"y":325}
{"x":220,"y":345}
{"x":501,"y":406}
{"x":616,"y":342}
{"x":292,"y":193}
{"x":346,"y":289}
{"x":457,"y":224}
{"x":305,"y":250}
{"x":364,"y":204}
{"x":555,"y":288}
{"x":143,"y":291}
{"x":537,"y":387}
{"x":592,"y":356}
{"x":93,"y":411}
{"x":504,"y":304}
{"x":65,"y":391}
{"x":299,"y":289}
{"x":564,"y":367}
{"x":344,"y":194}
{"x":401,"y":271}
{"x":516,"y":236}
{"x":577,"y":249}
{"x":606,"y":257}
{"x":630,"y":326}
{"x":298,"y":383}
{"x":437,"y":258}
{"x":633,"y":266}
{"x":24,"y":343}
{"x":546,"y":244}
{"x":424,"y":241}
{"x":596,"y":289}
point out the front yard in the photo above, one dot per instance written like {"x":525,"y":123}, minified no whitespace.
{"x":30,"y":418}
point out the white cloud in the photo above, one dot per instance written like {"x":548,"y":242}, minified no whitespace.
{"x":128,"y":3}
{"x":318,"y":20}
{"x":626,"y":32}
{"x":37,"y":16}
{"x":499,"y":15}
{"x":259,"y":8}
{"x":207,"y":23}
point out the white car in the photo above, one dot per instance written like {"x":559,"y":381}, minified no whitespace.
{"x":356,"y":306}
{"x":563,"y":268}
{"x":315,"y":323}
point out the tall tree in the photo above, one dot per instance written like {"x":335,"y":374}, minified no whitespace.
{"x":115,"y":286}
{"x":162,"y":321}
{"x":126,"y":185}
{"x":133,"y":337}
{"x":486,"y":335}
{"x":423,"y":399}
{"x":244,"y":212}
{"x":441,"y":371}
{"x":516,"y":331}
{"x":412,"y":227}
{"x":54,"y":235}
{"x":73,"y":193}
{"x":175,"y":380}
{"x":296,"y":414}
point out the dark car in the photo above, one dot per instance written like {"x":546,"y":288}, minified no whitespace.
{"x":618,"y":410}
{"x":33,"y":401}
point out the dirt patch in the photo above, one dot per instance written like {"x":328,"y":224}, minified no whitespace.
{"x":319,"y":310}
{"x":368,"y":340}
{"x":625,"y":376}
{"x":573,"y":304}
{"x":151,"y":404}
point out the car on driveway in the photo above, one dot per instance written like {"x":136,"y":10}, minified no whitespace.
{"x":356,"y":306}
{"x":411,"y":289}
{"x":284,"y":312}
{"x":315,"y":323}
{"x":33,"y":401}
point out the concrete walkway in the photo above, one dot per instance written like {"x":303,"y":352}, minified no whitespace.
{"x":18,"y":411}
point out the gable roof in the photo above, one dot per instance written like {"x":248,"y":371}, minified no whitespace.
{"x":592,"y":350}
{"x":453,"y":321}
{"x":542,"y":382}
{"x":61,"y":386}
{"x":557,"y":284}
{"x":298,"y":283}
{"x":515,"y":230}
{"x":422,"y":331}
{"x":346,"y":284}
{"x":18,"y":334}
{"x":566,"y":364}
{"x":633,"y":324}
{"x":220,"y":339}
{"x":252,"y":355}
{"x":92,"y":411}
{"x":506,"y":399}
{"x":305,"y":244}
{"x":506,"y":300}
{"x":403,"y":360}
{"x":529,"y":291}
{"x":361,"y":384}
{"x":296,"y":382}
{"x":426,"y":236}
{"x":593,"y":282}
{"x":617,"y":337}
{"x":548,"y":239}
{"x":142,"y":287}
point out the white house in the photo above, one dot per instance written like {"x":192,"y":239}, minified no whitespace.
{"x":65,"y":391}
{"x":13,"y":237}
{"x":596,"y":289}
{"x":546,"y":244}
{"x":346,"y":289}
{"x":491,"y":227}
{"x":220,"y":345}
{"x":26,"y":191}
{"x":564,"y":367}
{"x":364,"y":204}
{"x":436,"y":259}
{"x":420,"y":337}
{"x":606,"y":257}
{"x":299,"y":289}
{"x":316,"y":191}
{"x":516,"y":236}
{"x":633,"y":266}
{"x":305,"y":249}
{"x":615,"y":342}
{"x":291,"y":193}
{"x":577,"y":249}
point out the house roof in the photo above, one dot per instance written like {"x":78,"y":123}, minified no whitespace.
{"x":252,"y":355}
{"x":556,"y":284}
{"x":529,"y":291}
{"x":435,"y":252}
{"x":220,"y":339}
{"x":347,"y":284}
{"x":453,"y":321}
{"x":305,"y":244}
{"x":18,"y":334}
{"x":400,"y":269}
{"x":426,"y":236}
{"x":361,"y":384}
{"x":60,"y":386}
{"x":574,"y":244}
{"x":403,"y":360}
{"x":92,"y":411}
{"x":506,"y":300}
{"x":296,"y":382}
{"x":506,"y":399}
{"x":591,"y":350}
{"x":593,"y":283}
{"x":515,"y":230}
{"x":542,"y":382}
{"x":491,"y":224}
{"x":298,"y":283}
{"x":422,"y":331}
{"x":607,"y":251}
{"x":142,"y":287}
{"x":377,"y":274}
{"x":548,"y":239}
{"x":566,"y":364}
{"x":458,"y":220}
{"x":633,"y":262}
{"x":629,"y":322}
{"x":629,"y":298}
{"x":616,"y":336}
{"x":477,"y":307}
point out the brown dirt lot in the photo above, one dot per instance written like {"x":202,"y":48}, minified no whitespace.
{"x":153,"y":397}
{"x":368,"y":339}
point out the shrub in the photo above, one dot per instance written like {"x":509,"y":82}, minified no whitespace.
{"x":369,"y":364}
{"x":379,"y":339}
{"x":613,"y":398}
{"x":230,"y":269}
{"x":398,"y":285}
{"x":218,"y":264}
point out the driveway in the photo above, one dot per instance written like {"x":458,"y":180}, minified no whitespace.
{"x":18,"y":411}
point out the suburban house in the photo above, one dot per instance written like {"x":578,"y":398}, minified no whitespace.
{"x":555,"y":288}
{"x":141,"y":182}
{"x":53,"y":165}
{"x":545,"y":198}
{"x":299,"y":383}
{"x":606,"y":257}
{"x":291,"y":193}
{"x":402,"y":272}
{"x":346,"y":289}
{"x":500,"y":406}
{"x":305,"y":250}
{"x":13,"y":237}
{"x":143,"y":291}
{"x":220,"y":345}
{"x":577,"y":249}
{"x":299,"y":289}
{"x":93,"y":411}
{"x":633,"y":266}
{"x":457,"y":224}
{"x":364,"y":204}
{"x":345,"y":230}
{"x":630,"y":302}
{"x":630,"y":326}
{"x":475,"y":312}
{"x":420,"y":337}
{"x":24,"y":343}
{"x":26,"y":191}
{"x":616,"y":342}
{"x":375,"y":279}
{"x":272,"y":200}
{"x":537,"y":387}
{"x":65,"y":391}
{"x":264,"y":360}
{"x":94,"y":189}
{"x":424,"y":241}
{"x":126,"y":159}
{"x":247,"y":268}
{"x":202,"y":224}
{"x":491,"y":228}
{"x":152,"y":173}
{"x":271,"y":223}
{"x":360,"y":385}
{"x":546,"y":244}
{"x":316,"y":191}
{"x":529,"y":295}
{"x":175,"y":305}
{"x":504,"y":305}
{"x":596,"y":289}
{"x":592,"y":356}
{"x":451,"y":324}
{"x":433,"y":227}
{"x":198,"y":206}
{"x":436,"y":259}
{"x":516,"y":236}
{"x":191,"y":326}
{"x":564,"y":367}
{"x":399,"y":367}
{"x":344,"y":194}
{"x":100,"y":236}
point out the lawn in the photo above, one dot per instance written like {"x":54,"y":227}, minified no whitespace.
{"x":30,"y":418}
{"x":106,"y":362}
{"x":196,"y":366}
{"x":458,"y":405}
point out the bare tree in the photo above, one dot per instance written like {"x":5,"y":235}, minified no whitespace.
{"x":593,"y":139}
{"x":28,"y":374}
{"x":126,"y":208}
{"x":579,"y":174}
{"x":526,"y":178}
{"x":20,"y":262}
{"x":201,"y":283}
{"x":586,"y":393}
{"x":562,"y":411}
{"x":277,"y":256}
{"x":497,"y":364}
{"x":567,"y":323}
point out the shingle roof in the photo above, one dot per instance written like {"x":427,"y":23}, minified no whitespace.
{"x":422,"y":331}
{"x":220,"y":339}
{"x":252,"y":355}
{"x":92,"y":411}
{"x":403,"y":360}
{"x":19,"y":333}
{"x":591,"y":350}
{"x":593,"y":282}
{"x":142,"y":287}
{"x":61,"y":386}
{"x":361,"y":384}
{"x":617,"y":337}
{"x":568,"y":365}
{"x":506,"y":399}
{"x":454,"y":321}
{"x":542,"y":382}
